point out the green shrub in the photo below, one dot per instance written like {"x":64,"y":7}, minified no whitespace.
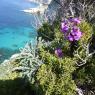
{"x":54,"y":77}
{"x":85,"y":74}
{"x":86,"y":29}
{"x":47,"y":73}
{"x":46,"y":32}
{"x":13,"y":84}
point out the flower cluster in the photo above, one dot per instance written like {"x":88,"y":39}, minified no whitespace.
{"x":70,"y":29}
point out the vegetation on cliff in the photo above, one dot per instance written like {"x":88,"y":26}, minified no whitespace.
{"x":61,"y":63}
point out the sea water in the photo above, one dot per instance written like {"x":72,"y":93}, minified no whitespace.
{"x":15,"y":26}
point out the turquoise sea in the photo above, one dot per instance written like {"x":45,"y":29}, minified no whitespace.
{"x":15,"y":26}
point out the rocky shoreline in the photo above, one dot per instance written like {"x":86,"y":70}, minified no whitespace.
{"x":43,"y":5}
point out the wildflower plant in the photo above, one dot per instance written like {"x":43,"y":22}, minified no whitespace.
{"x":49,"y":67}
{"x":70,"y":29}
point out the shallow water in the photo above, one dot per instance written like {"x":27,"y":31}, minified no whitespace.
{"x":15,"y":26}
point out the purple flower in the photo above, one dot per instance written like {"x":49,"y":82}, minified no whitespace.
{"x":75,"y":34}
{"x":64,"y":27}
{"x":58,"y":52}
{"x":70,"y":38}
{"x":70,"y":19}
{"x":70,"y":29}
{"x":76,"y":20}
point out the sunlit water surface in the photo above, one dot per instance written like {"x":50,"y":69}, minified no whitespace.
{"x":15,"y":27}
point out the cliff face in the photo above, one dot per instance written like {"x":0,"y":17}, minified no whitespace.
{"x":81,"y":8}
{"x":52,"y":10}
{"x":60,"y":8}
